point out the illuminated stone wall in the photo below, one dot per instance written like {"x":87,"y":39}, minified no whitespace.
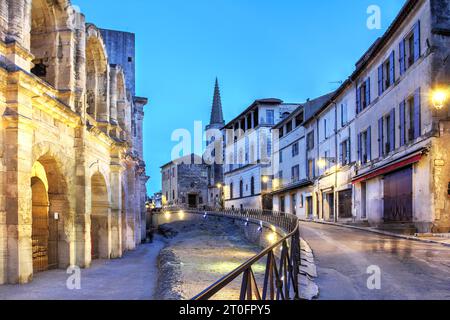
{"x":66,"y":108}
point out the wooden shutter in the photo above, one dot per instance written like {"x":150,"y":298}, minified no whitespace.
{"x":392,"y":129}
{"x":360,"y":147}
{"x":417,"y":114}
{"x":368,"y":91}
{"x":392,"y":68}
{"x":380,"y":137}
{"x":358,"y":99}
{"x":349,"y":153}
{"x":402,"y":123}
{"x":380,"y":80}
{"x":402,"y":57}
{"x":341,"y":154}
{"x":369,"y":144}
{"x":417,"y":46}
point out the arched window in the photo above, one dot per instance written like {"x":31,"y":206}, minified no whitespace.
{"x":231,"y":191}
{"x":252,"y":186}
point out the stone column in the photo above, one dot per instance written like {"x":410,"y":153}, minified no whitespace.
{"x":18,"y":154}
{"x":82,"y":218}
{"x":3,"y":19}
{"x":19,"y":13}
{"x":80,"y":66}
{"x":103,"y":97}
{"x":131,"y":208}
{"x":113,"y":94}
{"x":116,"y":205}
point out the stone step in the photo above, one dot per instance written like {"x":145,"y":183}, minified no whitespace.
{"x":399,"y":228}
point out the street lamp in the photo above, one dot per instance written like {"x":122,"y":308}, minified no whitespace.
{"x":439,"y":98}
{"x":322,"y":162}
{"x":265,"y":179}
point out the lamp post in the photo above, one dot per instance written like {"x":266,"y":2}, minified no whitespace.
{"x":220,"y":187}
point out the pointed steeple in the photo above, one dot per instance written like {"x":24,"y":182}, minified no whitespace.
{"x":216,"y":112}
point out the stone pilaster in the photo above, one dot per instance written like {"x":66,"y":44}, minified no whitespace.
{"x":116,"y":208}
{"x":18,"y":155}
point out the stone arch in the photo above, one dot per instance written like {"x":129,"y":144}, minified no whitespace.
{"x":97,"y":76}
{"x":100,"y":217}
{"x":48,"y":33}
{"x":52,"y":221}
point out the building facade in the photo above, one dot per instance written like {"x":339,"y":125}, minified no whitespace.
{"x":248,"y":148}
{"x":185,"y":182}
{"x":72,"y":186}
{"x":380,"y":145}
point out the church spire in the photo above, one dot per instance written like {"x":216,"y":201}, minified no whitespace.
{"x":216,"y":112}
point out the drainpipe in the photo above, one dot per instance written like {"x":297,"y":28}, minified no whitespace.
{"x":336,"y":161}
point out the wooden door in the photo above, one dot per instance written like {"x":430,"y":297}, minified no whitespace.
{"x":398,"y":193}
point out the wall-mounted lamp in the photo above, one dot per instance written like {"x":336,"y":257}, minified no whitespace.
{"x":439,"y":98}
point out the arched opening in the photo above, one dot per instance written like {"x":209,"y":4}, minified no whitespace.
{"x":49,"y":37}
{"x":50,"y":208}
{"x":40,"y":226}
{"x":43,"y":41}
{"x":96,"y":76}
{"x":100,"y":216}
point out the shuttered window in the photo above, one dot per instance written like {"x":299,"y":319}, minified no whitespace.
{"x":386,"y":74}
{"x":410,"y":49}
{"x":365,"y":146}
{"x":363,"y":98}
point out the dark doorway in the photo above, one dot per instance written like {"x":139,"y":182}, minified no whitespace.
{"x":398,"y":196}
{"x":192,"y":200}
{"x":345,"y":204}
{"x":309,"y":207}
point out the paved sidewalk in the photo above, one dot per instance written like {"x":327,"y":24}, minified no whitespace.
{"x":134,"y":277}
{"x":443,"y":239}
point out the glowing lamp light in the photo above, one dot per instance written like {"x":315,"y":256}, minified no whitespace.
{"x":219,"y":186}
{"x":272,"y":237}
{"x":322,"y":163}
{"x":439,"y":98}
{"x":181,"y":214}
{"x":167,"y":215}
{"x":265,"y":179}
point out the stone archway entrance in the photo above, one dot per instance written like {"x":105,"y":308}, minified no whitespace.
{"x":49,"y":208}
{"x":100,"y":218}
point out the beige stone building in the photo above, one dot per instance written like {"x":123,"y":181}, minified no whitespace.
{"x":72,"y":178}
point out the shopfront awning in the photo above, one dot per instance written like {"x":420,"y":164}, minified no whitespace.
{"x":399,"y":164}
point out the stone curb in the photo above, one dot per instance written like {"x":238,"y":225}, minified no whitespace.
{"x":381,"y":232}
{"x":308,"y":272}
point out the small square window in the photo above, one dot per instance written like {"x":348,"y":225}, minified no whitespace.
{"x":130,"y":59}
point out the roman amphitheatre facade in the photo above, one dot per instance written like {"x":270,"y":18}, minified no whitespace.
{"x":72,"y":175}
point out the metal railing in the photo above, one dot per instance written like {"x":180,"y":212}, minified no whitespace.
{"x":281,"y":274}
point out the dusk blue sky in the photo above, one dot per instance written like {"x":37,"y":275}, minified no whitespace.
{"x":288,"y":49}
